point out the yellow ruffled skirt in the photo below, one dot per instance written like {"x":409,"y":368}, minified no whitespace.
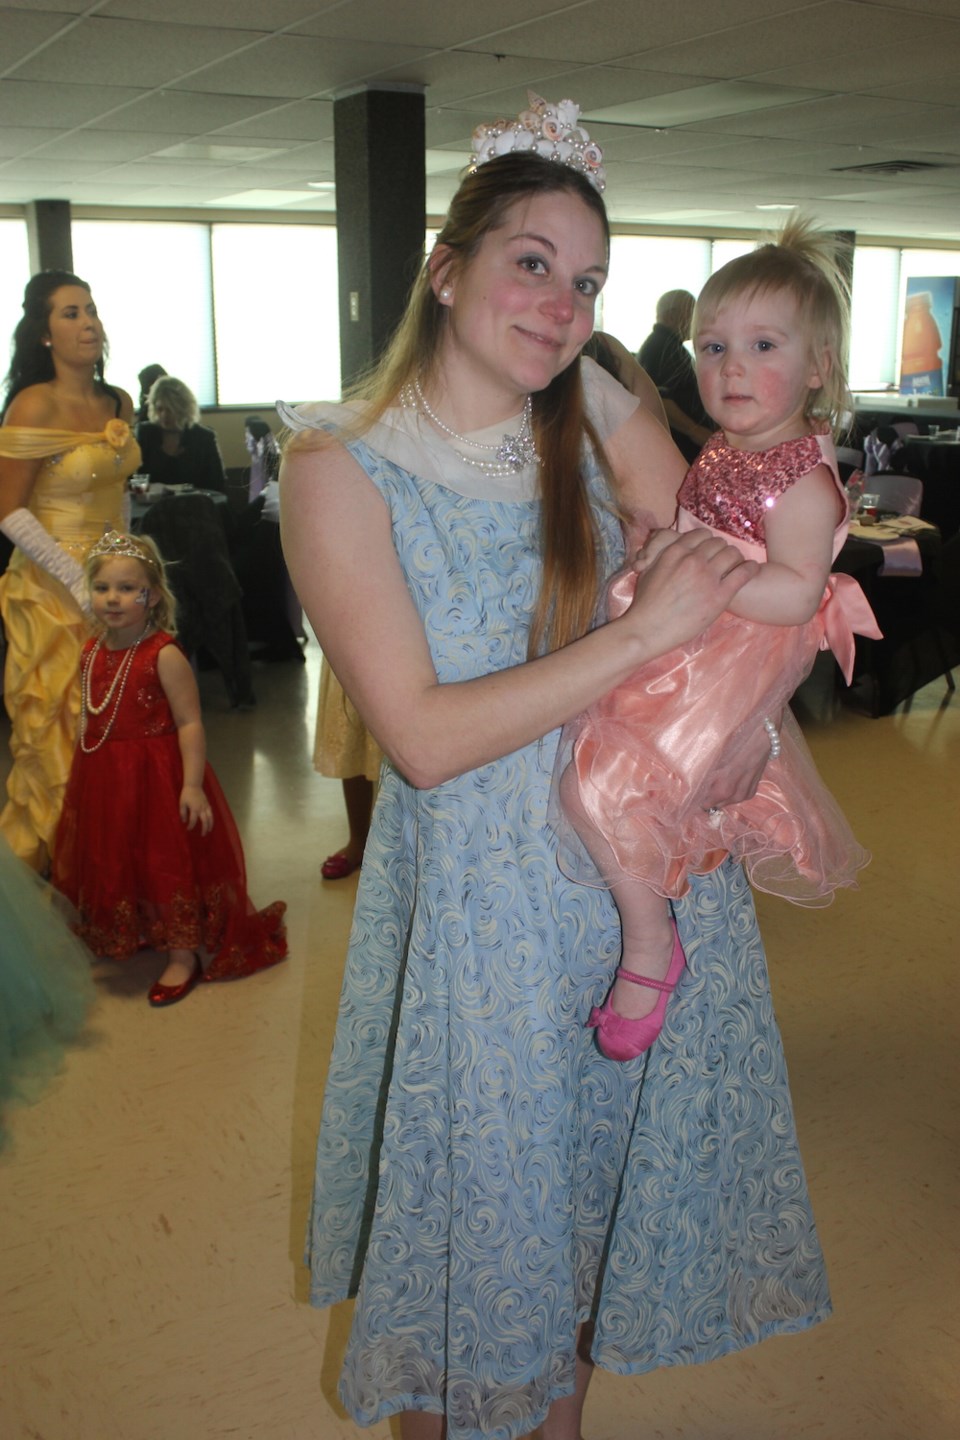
{"x":45,"y":633}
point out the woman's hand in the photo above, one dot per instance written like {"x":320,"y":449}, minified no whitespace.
{"x":736,"y":781}
{"x":684,"y":583}
{"x":195,"y":809}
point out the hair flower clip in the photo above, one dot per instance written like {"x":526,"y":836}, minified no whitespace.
{"x":544,"y":129}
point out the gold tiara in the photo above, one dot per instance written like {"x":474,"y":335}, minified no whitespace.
{"x":114,"y":546}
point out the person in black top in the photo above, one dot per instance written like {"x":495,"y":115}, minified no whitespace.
{"x":668,"y":364}
{"x":146,"y":377}
{"x":176,"y":450}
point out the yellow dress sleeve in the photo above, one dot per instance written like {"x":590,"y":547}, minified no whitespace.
{"x":21,"y":442}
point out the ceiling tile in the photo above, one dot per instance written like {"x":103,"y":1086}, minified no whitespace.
{"x":56,"y":107}
{"x":23,"y":31}
{"x":128,"y":81}
{"x":178,"y":112}
{"x":296,"y":120}
{"x":15,"y":142}
{"x":220,"y":14}
{"x":606,"y":30}
{"x":840,"y":26}
{"x":428,"y":24}
{"x":297,"y":67}
{"x":111,"y":52}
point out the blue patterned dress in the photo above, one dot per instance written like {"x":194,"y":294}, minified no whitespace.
{"x":485,"y":1178}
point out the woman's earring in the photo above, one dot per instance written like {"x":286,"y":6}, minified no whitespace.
{"x":446,"y":294}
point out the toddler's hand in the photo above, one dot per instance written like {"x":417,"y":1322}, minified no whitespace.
{"x":656,"y":542}
{"x":195,"y":809}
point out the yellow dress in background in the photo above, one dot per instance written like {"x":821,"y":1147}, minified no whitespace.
{"x":77,"y":496}
{"x":342,"y":746}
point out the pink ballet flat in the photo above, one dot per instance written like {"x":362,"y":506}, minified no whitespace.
{"x":621,"y":1039}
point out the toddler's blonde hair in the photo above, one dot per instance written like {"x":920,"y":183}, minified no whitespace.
{"x":802,"y":261}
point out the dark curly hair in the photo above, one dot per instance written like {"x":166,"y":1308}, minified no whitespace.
{"x":31,"y":362}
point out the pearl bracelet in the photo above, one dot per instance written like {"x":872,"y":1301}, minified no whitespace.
{"x":773,"y":734}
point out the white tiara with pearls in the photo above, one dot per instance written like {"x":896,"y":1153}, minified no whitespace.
{"x":548,"y":130}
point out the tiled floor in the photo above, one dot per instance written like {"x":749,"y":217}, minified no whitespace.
{"x":152,"y":1204}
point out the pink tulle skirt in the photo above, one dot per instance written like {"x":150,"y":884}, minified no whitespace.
{"x":632,"y":780}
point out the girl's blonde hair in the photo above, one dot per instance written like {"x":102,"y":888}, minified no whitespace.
{"x":568,"y":533}
{"x":801,"y":261}
{"x":162,"y":615}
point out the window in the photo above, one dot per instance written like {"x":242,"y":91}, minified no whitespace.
{"x":248,"y":313}
{"x":151,"y":282}
{"x":276,"y":313}
{"x":642,"y":268}
{"x":875,"y":317}
{"x":14,"y":274}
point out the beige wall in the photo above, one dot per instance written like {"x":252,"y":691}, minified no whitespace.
{"x":229,"y":427}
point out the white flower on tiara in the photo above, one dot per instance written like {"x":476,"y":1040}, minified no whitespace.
{"x":544,"y":129}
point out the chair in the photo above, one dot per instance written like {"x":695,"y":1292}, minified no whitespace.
{"x":849,"y":461}
{"x":883,"y":442}
{"x":902,"y":493}
{"x":191,"y":538}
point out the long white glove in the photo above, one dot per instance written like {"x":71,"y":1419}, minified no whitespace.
{"x":26,"y":532}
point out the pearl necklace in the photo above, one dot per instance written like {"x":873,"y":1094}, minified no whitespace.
{"x":510,"y":455}
{"x":117,"y":685}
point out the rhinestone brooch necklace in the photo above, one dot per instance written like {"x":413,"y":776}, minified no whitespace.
{"x":117,"y":686}
{"x":510,"y":455}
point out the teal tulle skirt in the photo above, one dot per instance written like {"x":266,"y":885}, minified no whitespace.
{"x":46,"y":988}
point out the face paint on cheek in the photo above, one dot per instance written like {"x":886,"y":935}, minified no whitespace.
{"x":143,"y":596}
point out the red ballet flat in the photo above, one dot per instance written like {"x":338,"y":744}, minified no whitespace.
{"x":338,"y":866}
{"x":170,"y":994}
{"x":621,"y":1039}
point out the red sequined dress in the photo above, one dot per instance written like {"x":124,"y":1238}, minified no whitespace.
{"x":137,"y":876}
{"x":644,"y":754}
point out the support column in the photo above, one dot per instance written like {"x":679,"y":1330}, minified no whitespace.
{"x":379,"y":142}
{"x":48,"y":235}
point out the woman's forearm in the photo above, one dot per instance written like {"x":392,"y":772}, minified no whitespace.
{"x":456,"y":727}
{"x":432,"y":731}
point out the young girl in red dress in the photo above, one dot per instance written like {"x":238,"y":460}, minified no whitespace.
{"x":146,"y":849}
{"x":770,"y":334}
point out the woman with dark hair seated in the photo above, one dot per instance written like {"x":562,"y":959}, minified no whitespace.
{"x":176,"y":450}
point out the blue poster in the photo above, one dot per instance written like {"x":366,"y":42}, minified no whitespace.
{"x":929,"y":315}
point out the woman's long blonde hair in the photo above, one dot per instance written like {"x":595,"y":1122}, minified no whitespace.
{"x":568,"y":533}
{"x":802,"y":261}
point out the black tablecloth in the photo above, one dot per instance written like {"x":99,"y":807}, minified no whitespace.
{"x":919,"y":617}
{"x":937,"y":464}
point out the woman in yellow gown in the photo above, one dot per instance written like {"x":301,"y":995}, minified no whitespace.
{"x":65,"y":453}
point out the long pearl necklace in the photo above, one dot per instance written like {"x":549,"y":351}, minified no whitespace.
{"x":116,"y":687}
{"x":510,"y":455}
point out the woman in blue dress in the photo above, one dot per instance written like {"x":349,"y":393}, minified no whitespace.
{"x":510,"y":1208}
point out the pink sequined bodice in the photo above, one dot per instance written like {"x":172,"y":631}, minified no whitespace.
{"x":732,"y":490}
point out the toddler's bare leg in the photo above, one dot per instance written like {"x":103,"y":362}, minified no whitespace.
{"x":644,"y":915}
{"x":180,"y":965}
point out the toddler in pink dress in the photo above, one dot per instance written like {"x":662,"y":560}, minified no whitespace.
{"x":634,"y":783}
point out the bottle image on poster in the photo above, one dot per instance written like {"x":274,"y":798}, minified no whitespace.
{"x":928,"y":321}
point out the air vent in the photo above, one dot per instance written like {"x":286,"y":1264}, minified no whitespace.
{"x":890,"y":167}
